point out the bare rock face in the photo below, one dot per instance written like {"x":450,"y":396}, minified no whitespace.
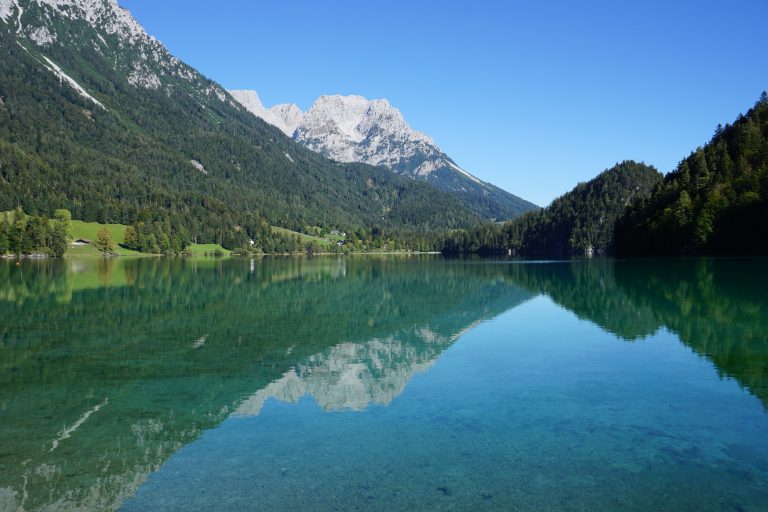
{"x":356,"y":129}
{"x":139,"y":57}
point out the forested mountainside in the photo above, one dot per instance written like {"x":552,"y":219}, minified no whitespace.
{"x":98,"y":118}
{"x":356,"y":129}
{"x":714,"y":203}
{"x":580,"y":222}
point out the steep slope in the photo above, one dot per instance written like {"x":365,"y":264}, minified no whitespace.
{"x":578,"y":223}
{"x":355,"y":129}
{"x":96,"y":116}
{"x":715,"y":202}
{"x":581,"y":222}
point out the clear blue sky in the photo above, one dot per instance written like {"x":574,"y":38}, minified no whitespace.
{"x":531,"y":96}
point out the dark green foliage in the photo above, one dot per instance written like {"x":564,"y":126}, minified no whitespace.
{"x":59,"y":241}
{"x":278,"y":243}
{"x":62,"y":232}
{"x":716,"y":306}
{"x":24,"y":234}
{"x":578,"y":223}
{"x":133,"y":161}
{"x":5,"y":229}
{"x":715,"y":202}
{"x":156,"y":237}
{"x":36,"y":234}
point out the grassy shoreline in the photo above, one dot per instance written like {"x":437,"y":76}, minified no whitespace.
{"x":85,"y":233}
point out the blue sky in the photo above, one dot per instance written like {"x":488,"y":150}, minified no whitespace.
{"x":531,"y":96}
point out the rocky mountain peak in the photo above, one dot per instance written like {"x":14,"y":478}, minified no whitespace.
{"x":105,"y":14}
{"x":286,"y":116}
{"x":356,"y":129}
{"x":115,"y":34}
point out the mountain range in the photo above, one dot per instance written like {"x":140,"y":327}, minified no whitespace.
{"x":96,"y":116}
{"x":355,"y":129}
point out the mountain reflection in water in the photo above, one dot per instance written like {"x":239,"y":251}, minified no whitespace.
{"x":108,"y":367}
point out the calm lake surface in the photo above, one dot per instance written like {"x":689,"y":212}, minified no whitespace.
{"x":367,"y":383}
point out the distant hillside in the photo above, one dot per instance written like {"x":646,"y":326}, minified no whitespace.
{"x":579,"y":223}
{"x":715,"y":202}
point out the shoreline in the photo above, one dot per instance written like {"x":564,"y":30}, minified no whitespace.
{"x":11,"y":257}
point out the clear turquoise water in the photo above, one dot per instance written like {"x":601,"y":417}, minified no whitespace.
{"x":384,"y":384}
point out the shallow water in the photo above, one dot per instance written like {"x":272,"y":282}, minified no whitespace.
{"x":383,"y":384}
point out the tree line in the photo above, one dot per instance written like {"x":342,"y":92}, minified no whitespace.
{"x":133,"y":162}
{"x":23,"y":234}
{"x":714,"y":203}
{"x":579,"y":223}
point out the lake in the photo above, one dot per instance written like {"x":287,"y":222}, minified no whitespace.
{"x":383,"y":383}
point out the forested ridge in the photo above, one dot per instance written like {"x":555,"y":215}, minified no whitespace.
{"x":183,"y":159}
{"x":184,"y":155}
{"x":714,"y":203}
{"x":577,"y":223}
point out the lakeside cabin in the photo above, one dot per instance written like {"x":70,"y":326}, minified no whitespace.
{"x":80,"y":242}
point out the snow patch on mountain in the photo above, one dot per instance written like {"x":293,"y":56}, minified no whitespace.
{"x":66,"y":78}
